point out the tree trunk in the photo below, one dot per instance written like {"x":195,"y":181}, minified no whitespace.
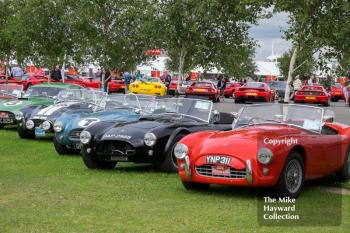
{"x":180,"y":79}
{"x":290,"y":74}
{"x":103,"y":80}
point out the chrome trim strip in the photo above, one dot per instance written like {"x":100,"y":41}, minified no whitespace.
{"x":187,"y":167}
{"x":249,"y":172}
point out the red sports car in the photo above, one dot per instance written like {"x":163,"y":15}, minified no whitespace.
{"x":271,"y":145}
{"x":204,"y":88}
{"x":230,"y":89}
{"x":337,"y":93}
{"x":312,"y":95}
{"x":92,"y":83}
{"x":10,"y":91}
{"x":26,"y":80}
{"x":254,"y":91}
{"x":116,"y":85}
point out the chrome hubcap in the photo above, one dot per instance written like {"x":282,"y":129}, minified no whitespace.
{"x":293,"y":176}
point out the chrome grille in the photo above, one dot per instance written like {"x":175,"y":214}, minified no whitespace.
{"x":7,"y":115}
{"x":38,"y":122}
{"x":75,"y":133}
{"x":206,"y":170}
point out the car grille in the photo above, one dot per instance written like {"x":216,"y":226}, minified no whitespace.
{"x":38,"y":122}
{"x":206,"y":170}
{"x":75,"y":134}
{"x":115,"y":148}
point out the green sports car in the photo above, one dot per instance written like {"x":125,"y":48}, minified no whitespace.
{"x":41,"y":94}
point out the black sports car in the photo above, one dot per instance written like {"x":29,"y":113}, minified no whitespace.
{"x":153,"y":137}
{"x":38,"y":121}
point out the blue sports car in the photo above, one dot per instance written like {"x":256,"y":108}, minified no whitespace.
{"x":118,"y":108}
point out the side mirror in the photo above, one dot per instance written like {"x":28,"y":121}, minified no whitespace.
{"x":216,"y":116}
{"x":138,"y":111}
{"x":328,"y":116}
{"x":234,"y":114}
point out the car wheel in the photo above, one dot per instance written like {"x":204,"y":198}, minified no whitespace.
{"x":218,"y":99}
{"x":328,"y":103}
{"x":344,"y":174}
{"x":195,"y":186}
{"x":169,"y":163}
{"x":93,"y":163}
{"x":2,"y":126}
{"x":24,"y":134}
{"x":291,"y":179}
{"x":233,"y":94}
{"x":63,"y":149}
{"x":237,"y":101}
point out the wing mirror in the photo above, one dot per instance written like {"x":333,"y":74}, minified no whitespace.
{"x":216,"y":116}
{"x":328,"y":116}
{"x":138,"y":111}
{"x":234,"y":114}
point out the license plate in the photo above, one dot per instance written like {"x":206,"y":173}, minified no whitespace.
{"x":6,"y":120}
{"x":77,"y":146}
{"x":119,"y":158}
{"x":310,"y":97}
{"x":251,"y":94}
{"x":220,"y":171}
{"x":39,"y":132}
{"x":201,"y":90}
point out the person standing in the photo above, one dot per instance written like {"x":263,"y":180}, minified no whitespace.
{"x":56,"y":74}
{"x":127,"y":80}
{"x":297,"y":83}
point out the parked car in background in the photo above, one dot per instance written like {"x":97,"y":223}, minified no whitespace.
{"x":25,"y":80}
{"x":148,"y":86}
{"x":279,"y":87}
{"x":10,"y":91}
{"x":172,"y":86}
{"x":41,"y":94}
{"x":153,"y":137}
{"x":312,"y":95}
{"x":118,"y":108}
{"x":205,"y":89}
{"x":38,"y":121}
{"x":116,"y":85}
{"x":184,"y":86}
{"x":231,"y":89}
{"x":254,"y":91}
{"x":311,"y":146}
{"x":337,"y":93}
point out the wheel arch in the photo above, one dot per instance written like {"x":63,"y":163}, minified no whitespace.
{"x":301,"y":151}
{"x":172,"y":137}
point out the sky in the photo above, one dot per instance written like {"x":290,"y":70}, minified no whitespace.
{"x":268,"y":33}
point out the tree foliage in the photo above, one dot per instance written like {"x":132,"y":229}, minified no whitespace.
{"x":304,"y":66}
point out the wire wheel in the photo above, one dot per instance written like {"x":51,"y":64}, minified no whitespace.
{"x":293,"y":176}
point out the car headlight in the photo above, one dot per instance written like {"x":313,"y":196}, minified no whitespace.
{"x":180,"y":151}
{"x":46,"y":125}
{"x":150,"y":139}
{"x":85,"y":137}
{"x":58,"y":127}
{"x":264,"y":155}
{"x":30,"y":124}
{"x":19,"y":116}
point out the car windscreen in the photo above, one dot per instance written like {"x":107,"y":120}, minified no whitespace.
{"x":338,"y":85}
{"x":97,"y":98}
{"x":10,"y":89}
{"x":200,"y":109}
{"x":129,"y":101}
{"x":306,"y":117}
{"x":42,"y":91}
{"x":254,"y":85}
{"x":202,"y":84}
{"x":312,"y":88}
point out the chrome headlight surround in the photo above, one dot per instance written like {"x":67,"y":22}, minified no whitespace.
{"x":30,"y":124}
{"x":58,"y":126}
{"x":150,"y":139}
{"x":19,"y":116}
{"x":264,"y":155}
{"x":46,"y":125}
{"x":180,"y":151}
{"x":85,"y":137}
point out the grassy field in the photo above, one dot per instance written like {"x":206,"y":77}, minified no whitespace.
{"x":43,"y":192}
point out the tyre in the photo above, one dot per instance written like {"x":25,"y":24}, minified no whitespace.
{"x":195,"y":186}
{"x":233,"y":94}
{"x":237,"y":101}
{"x":2,"y":126}
{"x":24,"y":134}
{"x":93,"y":163}
{"x":227,"y":96}
{"x":327,"y":104}
{"x":343,"y":175}
{"x":291,"y":179}
{"x":218,"y":99}
{"x":63,"y":149}
{"x":169,"y":163}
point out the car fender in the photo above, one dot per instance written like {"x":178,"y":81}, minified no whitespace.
{"x":172,"y":137}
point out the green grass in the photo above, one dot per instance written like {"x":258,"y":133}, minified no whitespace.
{"x":43,"y":192}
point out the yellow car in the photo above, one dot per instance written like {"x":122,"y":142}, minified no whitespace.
{"x":148,"y":86}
